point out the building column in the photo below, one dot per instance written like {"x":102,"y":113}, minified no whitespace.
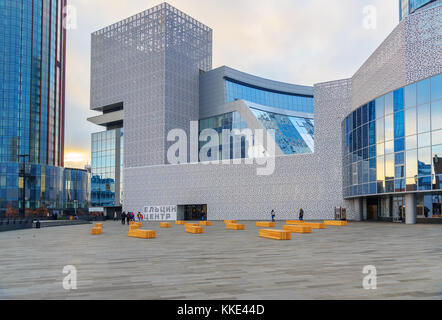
{"x":357,"y":209}
{"x":410,"y":209}
{"x":364,"y":210}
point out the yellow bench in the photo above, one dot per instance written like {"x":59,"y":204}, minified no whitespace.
{"x":298,"y":229}
{"x":206,"y":223}
{"x":165,"y":225}
{"x":294,"y":222}
{"x":194,"y":229}
{"x":98,"y":225}
{"x":142,"y":234}
{"x":134,"y":227}
{"x":180,"y":222}
{"x":96,"y":231}
{"x":192,"y":225}
{"x":336,"y":223}
{"x":133,"y":223}
{"x":235,"y":226}
{"x":229,"y":222}
{"x":275,"y":234}
{"x":313,"y":225}
{"x":265,"y":224}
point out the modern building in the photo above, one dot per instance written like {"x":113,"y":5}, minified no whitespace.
{"x":369,"y":143}
{"x":32,"y":106}
{"x":407,"y":7}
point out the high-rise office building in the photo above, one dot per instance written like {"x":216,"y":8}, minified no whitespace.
{"x":32,"y":105}
{"x":407,"y":7}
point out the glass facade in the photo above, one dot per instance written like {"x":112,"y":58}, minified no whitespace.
{"x":107,"y":161}
{"x":228,"y":121}
{"x":76,"y":188}
{"x":32,"y":45}
{"x":407,"y":7}
{"x":394,"y":144}
{"x":294,"y":135}
{"x":280,"y":100}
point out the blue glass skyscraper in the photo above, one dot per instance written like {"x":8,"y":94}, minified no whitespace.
{"x":32,"y":95}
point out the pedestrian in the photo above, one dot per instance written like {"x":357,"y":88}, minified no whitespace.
{"x":128,"y":218}
{"x":273,"y":215}
{"x":123,"y":218}
{"x":301,"y":214}
{"x":115,"y":216}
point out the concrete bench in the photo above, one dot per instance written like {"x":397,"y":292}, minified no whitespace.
{"x":229,"y":222}
{"x":96,"y":231}
{"x":297,"y":229}
{"x":194,"y":229}
{"x":206,"y":223}
{"x":336,"y":223}
{"x":180,"y":222}
{"x":133,"y":223}
{"x":265,"y":224}
{"x":275,"y":234}
{"x":294,"y":222}
{"x":142,"y":234}
{"x":235,"y":226}
{"x":165,"y":225}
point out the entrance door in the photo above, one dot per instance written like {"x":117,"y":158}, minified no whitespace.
{"x":372,"y":209}
{"x":195,"y":212}
{"x":398,"y":209}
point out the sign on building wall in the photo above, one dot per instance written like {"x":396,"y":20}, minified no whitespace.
{"x":160,"y":213}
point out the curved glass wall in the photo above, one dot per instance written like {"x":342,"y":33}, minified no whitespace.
{"x":76,"y":189}
{"x":281,"y":100}
{"x":394,"y":144}
{"x":293,"y":135}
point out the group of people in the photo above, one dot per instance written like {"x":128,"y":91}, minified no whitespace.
{"x":127,"y":217}
{"x":301,"y":215}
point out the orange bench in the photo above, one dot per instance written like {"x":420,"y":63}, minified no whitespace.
{"x":235,"y":226}
{"x":229,"y":222}
{"x":194,"y":229}
{"x":294,"y":222}
{"x":336,"y":223}
{"x":180,"y":222}
{"x":98,"y":225}
{"x":206,"y":223}
{"x":96,"y":231}
{"x":192,"y":225}
{"x":134,"y":223}
{"x":142,"y":234}
{"x":265,"y":224}
{"x":275,"y":234}
{"x":298,"y":229}
{"x":165,"y":225}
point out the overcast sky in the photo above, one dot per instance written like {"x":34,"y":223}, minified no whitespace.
{"x":297,"y":41}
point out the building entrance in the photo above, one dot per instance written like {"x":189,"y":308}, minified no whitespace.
{"x":195,"y":212}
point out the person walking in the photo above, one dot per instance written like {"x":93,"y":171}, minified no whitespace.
{"x":301,"y":214}
{"x":115,"y":216}
{"x":128,"y":218}
{"x":123,"y":218}
{"x":273,"y":215}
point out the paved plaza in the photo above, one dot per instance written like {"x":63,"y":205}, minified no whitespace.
{"x":223,"y":264}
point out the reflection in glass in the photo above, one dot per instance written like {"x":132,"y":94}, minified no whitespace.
{"x":380,"y":150}
{"x":380,"y":164}
{"x":424,"y":162}
{"x":389,"y":147}
{"x":423,"y":118}
{"x":411,"y":163}
{"x":389,"y":128}
{"x":410,"y":122}
{"x":398,"y":100}
{"x":436,"y":88}
{"x":437,"y":137}
{"x":437,"y":160}
{"x":399,"y":130}
{"x":424,"y":140}
{"x":411,"y":184}
{"x":436,"y":115}
{"x":380,"y":107}
{"x":411,"y":142}
{"x":389,"y":103}
{"x":389,"y":167}
{"x":423,"y":91}
{"x":410,"y":96}
{"x":380,"y":130}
